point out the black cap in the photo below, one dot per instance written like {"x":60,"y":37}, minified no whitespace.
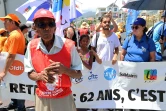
{"x":23,"y":26}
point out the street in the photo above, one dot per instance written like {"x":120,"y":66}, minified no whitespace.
{"x":29,"y":105}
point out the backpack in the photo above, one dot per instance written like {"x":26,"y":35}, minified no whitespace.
{"x":150,"y":32}
{"x":97,"y":37}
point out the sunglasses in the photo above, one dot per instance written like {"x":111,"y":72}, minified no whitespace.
{"x":134,"y":27}
{"x":44,"y":25}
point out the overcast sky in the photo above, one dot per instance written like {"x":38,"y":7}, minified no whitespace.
{"x":91,"y":5}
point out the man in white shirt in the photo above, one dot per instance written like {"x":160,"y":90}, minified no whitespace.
{"x":107,"y":46}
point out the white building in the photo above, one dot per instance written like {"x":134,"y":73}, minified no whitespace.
{"x":9,"y":6}
{"x":116,"y":11}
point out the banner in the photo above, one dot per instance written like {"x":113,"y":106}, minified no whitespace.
{"x":16,"y":83}
{"x":125,"y":85}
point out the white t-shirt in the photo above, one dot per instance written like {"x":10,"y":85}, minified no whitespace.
{"x":106,"y":46}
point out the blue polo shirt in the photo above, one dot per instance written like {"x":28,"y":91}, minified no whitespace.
{"x":138,"y":51}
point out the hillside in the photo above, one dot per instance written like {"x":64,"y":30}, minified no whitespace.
{"x":88,"y":14}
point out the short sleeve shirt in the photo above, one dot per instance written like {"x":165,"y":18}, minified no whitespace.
{"x":138,"y":51}
{"x":15,"y":43}
{"x":106,"y":46}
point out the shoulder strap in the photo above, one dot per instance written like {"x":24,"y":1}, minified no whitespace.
{"x":162,"y":29}
{"x":155,"y":26}
{"x":150,"y":32}
{"x":97,"y":37}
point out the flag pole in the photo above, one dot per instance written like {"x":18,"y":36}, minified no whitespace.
{"x":61,"y":12}
{"x":51,"y":3}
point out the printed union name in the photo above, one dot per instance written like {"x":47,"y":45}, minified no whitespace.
{"x":127,"y":75}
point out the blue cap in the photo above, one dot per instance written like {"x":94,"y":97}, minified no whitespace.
{"x":140,"y":21}
{"x":164,"y":14}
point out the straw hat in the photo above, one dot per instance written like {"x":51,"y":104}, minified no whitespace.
{"x":84,"y":25}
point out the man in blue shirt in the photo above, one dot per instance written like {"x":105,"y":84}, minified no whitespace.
{"x":159,"y":37}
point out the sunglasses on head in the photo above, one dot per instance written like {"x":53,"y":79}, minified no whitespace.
{"x":135,"y":27}
{"x":44,"y":25}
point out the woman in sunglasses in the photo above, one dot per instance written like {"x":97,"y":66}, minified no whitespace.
{"x":138,"y":47}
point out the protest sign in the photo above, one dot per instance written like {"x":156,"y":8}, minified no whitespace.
{"x":125,"y":85}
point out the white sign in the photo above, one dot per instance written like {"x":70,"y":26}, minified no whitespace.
{"x":125,"y":85}
{"x":16,"y":84}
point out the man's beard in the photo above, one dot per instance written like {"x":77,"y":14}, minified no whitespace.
{"x":105,"y":28}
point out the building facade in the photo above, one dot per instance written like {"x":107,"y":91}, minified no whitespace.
{"x":116,"y":11}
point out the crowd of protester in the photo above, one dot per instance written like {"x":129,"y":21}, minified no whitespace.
{"x":103,"y":45}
